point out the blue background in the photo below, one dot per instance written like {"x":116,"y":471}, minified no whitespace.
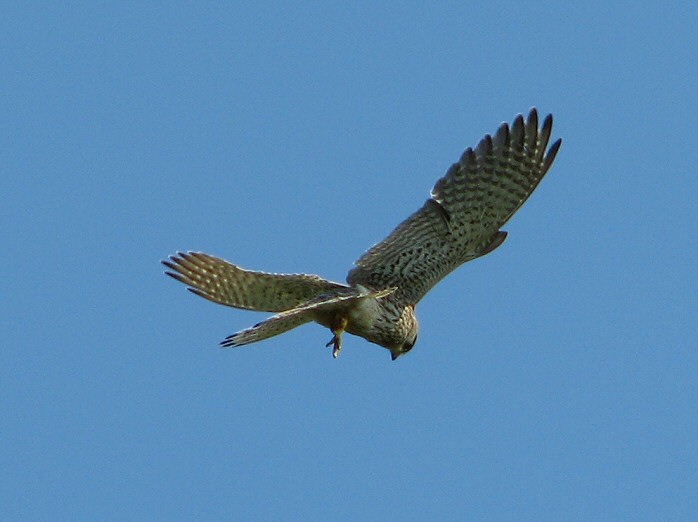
{"x":554,"y":379}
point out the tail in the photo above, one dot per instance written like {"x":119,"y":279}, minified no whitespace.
{"x":290,"y":319}
{"x":275,"y":325}
{"x":222,"y":282}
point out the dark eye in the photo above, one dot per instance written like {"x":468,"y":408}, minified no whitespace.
{"x":409,"y":345}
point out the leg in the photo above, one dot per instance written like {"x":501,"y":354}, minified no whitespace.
{"x":338,"y":326}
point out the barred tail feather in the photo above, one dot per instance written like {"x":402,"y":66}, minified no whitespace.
{"x":290,"y":319}
{"x":275,"y":325}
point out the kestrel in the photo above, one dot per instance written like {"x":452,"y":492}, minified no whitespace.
{"x":459,"y":222}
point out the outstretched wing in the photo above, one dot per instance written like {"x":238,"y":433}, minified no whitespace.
{"x":461,"y":220}
{"x":222,"y":282}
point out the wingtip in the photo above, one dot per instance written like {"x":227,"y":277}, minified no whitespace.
{"x":547,"y":122}
{"x":176,"y":275}
{"x":484,"y":148}
{"x":517,"y":131}
{"x":550,"y":156}
{"x":554,"y":148}
{"x":533,"y":118}
{"x":227,"y":343}
{"x":502,"y":136}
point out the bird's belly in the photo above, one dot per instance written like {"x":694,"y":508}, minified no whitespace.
{"x":362,"y":316}
{"x":357,"y":319}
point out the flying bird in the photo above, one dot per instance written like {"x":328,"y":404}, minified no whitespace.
{"x":459,"y":222}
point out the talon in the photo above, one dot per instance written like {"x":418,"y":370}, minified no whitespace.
{"x":337,"y":342}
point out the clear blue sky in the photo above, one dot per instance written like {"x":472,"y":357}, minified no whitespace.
{"x":555,"y":379}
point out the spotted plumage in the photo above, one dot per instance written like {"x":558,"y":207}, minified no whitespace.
{"x":459,"y":222}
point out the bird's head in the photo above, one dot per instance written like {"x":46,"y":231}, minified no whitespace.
{"x":409,"y":321}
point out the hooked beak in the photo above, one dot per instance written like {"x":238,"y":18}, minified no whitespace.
{"x":394,"y":355}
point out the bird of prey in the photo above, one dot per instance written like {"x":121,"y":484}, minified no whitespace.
{"x":459,"y":222}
